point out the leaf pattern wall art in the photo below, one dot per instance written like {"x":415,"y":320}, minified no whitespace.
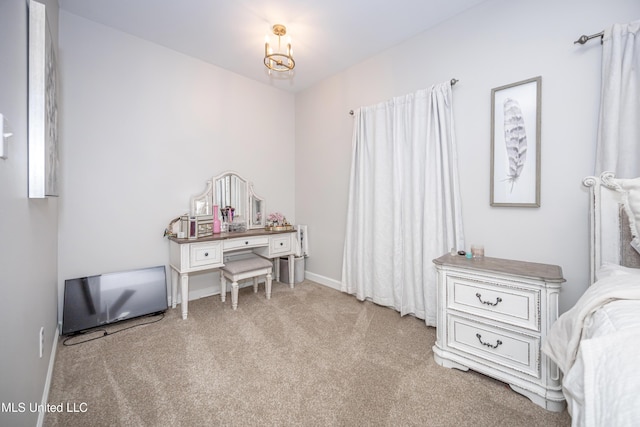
{"x":515,"y":139}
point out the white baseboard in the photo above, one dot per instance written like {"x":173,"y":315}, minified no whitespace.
{"x":202,"y":293}
{"x":323,"y":280}
{"x":47,"y":383}
{"x":197,"y":294}
{"x":211,"y":291}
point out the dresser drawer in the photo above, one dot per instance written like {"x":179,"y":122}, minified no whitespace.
{"x":245,"y":242}
{"x":504,"y":302}
{"x":280,"y":244}
{"x":205,"y":254}
{"x":519,"y":352}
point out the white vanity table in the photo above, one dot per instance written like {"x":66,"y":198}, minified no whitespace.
{"x":209,"y":253}
{"x":188,"y":256}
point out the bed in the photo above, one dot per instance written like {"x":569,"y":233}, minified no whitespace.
{"x":596,"y":343}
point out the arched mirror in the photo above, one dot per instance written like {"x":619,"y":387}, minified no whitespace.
{"x":230,"y":194}
{"x":235,"y":199}
{"x":202,"y":204}
{"x":256,"y":210}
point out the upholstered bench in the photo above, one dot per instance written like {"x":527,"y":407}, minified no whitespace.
{"x":241,"y":269}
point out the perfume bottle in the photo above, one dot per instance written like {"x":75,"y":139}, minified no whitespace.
{"x":192,"y":228}
{"x":216,"y":220}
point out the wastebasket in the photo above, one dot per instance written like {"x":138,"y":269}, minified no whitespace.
{"x":298,"y":270}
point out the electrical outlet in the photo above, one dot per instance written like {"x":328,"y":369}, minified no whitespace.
{"x":41,"y":340}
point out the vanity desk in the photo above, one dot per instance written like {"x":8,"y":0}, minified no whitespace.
{"x":208,"y":253}
{"x":228,"y":197}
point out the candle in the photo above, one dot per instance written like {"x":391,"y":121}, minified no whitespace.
{"x":477,"y":251}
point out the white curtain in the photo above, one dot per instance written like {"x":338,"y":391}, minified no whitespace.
{"x":404,"y":204}
{"x":618,"y":146}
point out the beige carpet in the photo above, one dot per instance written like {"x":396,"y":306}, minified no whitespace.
{"x":311,"y":356}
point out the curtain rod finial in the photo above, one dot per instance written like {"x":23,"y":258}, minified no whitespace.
{"x":582,"y":40}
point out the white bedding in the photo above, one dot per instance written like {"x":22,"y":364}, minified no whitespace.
{"x":596,"y":344}
{"x":603,"y":384}
{"x":565,"y":334}
{"x":613,"y":317}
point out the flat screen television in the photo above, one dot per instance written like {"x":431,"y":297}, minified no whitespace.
{"x":107,"y":298}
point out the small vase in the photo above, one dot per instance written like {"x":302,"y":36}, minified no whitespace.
{"x":216,"y":220}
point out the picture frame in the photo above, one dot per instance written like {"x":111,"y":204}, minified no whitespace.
{"x":515,"y":144}
{"x":43,"y":106}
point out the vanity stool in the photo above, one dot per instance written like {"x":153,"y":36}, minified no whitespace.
{"x":241,"y":269}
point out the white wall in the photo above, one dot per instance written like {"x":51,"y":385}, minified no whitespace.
{"x":496,"y":43}
{"x":143,"y":129}
{"x":28,"y":234}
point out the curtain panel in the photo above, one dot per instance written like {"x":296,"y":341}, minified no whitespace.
{"x":404,"y":204}
{"x":618,"y":143}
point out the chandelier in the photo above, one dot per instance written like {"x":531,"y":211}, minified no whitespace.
{"x":280,"y":59}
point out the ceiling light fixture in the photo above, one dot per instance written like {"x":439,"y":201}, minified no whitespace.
{"x":282,"y":58}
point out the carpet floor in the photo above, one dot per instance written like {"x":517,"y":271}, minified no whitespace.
{"x":311,"y":356}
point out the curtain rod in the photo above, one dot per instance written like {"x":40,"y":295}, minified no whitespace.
{"x":453,"y":82}
{"x":583,"y":39}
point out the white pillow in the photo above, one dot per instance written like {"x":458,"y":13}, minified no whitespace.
{"x":631,"y":199}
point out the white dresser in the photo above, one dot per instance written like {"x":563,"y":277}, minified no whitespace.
{"x":492,"y":317}
{"x":207,"y":253}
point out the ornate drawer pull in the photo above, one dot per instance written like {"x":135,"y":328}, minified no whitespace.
{"x":498,"y":342}
{"x":246,"y":243}
{"x":206,"y":254}
{"x":493,"y":304}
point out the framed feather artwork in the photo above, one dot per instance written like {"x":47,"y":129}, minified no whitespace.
{"x":515,"y":144}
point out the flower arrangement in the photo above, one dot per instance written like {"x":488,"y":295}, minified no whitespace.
{"x":276,"y":219}
{"x":277,"y":222}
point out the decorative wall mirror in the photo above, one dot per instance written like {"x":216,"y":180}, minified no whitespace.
{"x":235,"y":199}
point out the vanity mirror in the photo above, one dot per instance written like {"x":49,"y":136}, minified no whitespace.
{"x":230,"y":195}
{"x":237,"y":203}
{"x":256,"y":210}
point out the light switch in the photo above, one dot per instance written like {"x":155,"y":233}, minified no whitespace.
{"x":5,"y":134}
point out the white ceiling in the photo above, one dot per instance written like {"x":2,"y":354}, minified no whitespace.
{"x":327,"y":35}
